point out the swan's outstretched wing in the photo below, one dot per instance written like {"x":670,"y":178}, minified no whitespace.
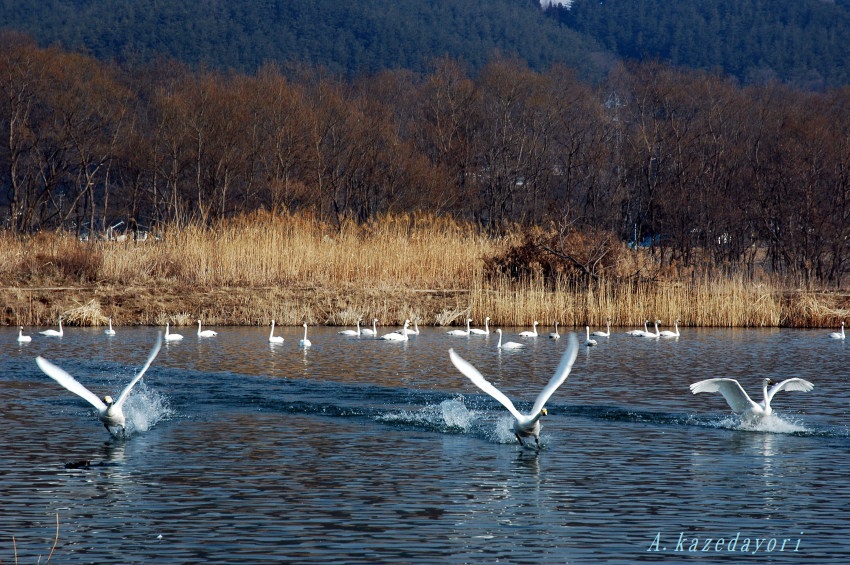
{"x":790,"y":384}
{"x":735,"y":396}
{"x":126,"y":392}
{"x":69,"y":382}
{"x":478,"y":379}
{"x":561,"y":374}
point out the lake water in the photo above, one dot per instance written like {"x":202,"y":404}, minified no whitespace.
{"x":362,"y":451}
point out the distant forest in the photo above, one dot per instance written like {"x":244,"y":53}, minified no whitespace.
{"x":353,"y":38}
{"x":708,"y":173}
{"x":797,"y":42}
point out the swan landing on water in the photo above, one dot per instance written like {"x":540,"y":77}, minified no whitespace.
{"x":109,"y":411}
{"x":525,"y":425}
{"x":740,"y":401}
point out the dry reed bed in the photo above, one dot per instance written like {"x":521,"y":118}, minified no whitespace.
{"x":294,"y":268}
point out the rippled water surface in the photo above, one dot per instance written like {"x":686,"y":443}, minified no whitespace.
{"x":361,"y":451}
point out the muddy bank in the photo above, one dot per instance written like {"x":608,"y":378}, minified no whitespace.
{"x":181,"y":305}
{"x":154,"y":305}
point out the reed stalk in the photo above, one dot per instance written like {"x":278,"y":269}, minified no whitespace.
{"x":295,"y":268}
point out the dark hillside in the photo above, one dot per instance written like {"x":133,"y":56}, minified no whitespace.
{"x":353,"y":37}
{"x":799,"y":42}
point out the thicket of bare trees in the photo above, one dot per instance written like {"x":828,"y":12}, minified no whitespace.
{"x":711,"y":174}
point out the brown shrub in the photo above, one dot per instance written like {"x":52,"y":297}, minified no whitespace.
{"x":560,"y":255}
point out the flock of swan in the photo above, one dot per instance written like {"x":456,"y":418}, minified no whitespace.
{"x":524,"y":426}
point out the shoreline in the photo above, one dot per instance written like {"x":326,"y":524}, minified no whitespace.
{"x":293,"y":269}
{"x":153,"y":305}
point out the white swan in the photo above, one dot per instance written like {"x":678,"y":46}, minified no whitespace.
{"x":110,"y":412}
{"x":397,"y":336}
{"x":109,"y":331}
{"x":462,"y":332}
{"x":354,"y":333}
{"x":274,"y":338}
{"x":23,"y":338}
{"x":507,"y":344}
{"x":54,"y":333}
{"x":589,"y":342}
{"x":650,"y":334}
{"x":479,"y":331}
{"x":170,"y":336}
{"x":525,"y":425}
{"x":205,"y":333}
{"x":838,"y":335}
{"x":668,"y":333}
{"x":644,"y":331}
{"x":373,"y":331}
{"x":555,"y":334}
{"x":532,"y":333}
{"x":600,"y":333}
{"x":739,"y":400}
{"x":305,"y":342}
{"x":415,"y":330}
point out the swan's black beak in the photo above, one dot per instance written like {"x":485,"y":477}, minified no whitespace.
{"x":544,"y":412}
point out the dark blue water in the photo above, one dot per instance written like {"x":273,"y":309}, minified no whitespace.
{"x":360,"y":451}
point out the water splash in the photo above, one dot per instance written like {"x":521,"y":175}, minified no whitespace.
{"x":503,"y":432}
{"x":144,"y":408}
{"x":772,"y":424}
{"x":766,"y":424}
{"x":456,"y":415}
{"x":449,"y":415}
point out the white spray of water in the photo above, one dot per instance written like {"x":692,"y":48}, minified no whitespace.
{"x":144,"y":408}
{"x":456,"y":414}
{"x":773,"y":424}
{"x":450,"y":413}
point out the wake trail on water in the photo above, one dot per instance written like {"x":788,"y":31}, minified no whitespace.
{"x":450,"y":413}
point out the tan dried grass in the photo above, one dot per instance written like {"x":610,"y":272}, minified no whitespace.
{"x":296,"y":268}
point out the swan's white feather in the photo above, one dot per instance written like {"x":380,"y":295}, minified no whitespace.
{"x":735,"y":395}
{"x":70,"y":383}
{"x":151,"y":356}
{"x":561,"y":374}
{"x":795,"y":383}
{"x":478,"y":380}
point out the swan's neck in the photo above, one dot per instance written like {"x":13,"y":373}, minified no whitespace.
{"x":766,"y":402}
{"x":500,"y":341}
{"x":271,"y":333}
